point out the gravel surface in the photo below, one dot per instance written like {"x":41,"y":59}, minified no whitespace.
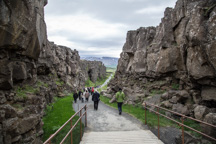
{"x":107,"y":118}
{"x":105,"y":83}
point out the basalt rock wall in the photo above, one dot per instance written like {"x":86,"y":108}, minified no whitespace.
{"x":32,"y":71}
{"x":93,"y":70}
{"x":22,"y":36}
{"x":173,"y":64}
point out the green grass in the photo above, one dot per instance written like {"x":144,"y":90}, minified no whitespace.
{"x":40,"y":83}
{"x":154,"y":92}
{"x":99,"y":81}
{"x":110,"y":69}
{"x":59,"y":82}
{"x":89,"y":83}
{"x":152,"y":120}
{"x":56,"y":115}
{"x":18,"y":106}
{"x":23,"y":91}
{"x":175,"y":86}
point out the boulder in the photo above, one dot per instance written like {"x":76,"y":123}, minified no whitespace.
{"x":208,"y":93}
{"x":196,"y":64}
{"x":28,"y":123}
{"x":108,"y":95}
{"x":210,"y":118}
{"x":10,"y":125}
{"x":200,"y":112}
{"x":181,"y":109}
{"x":166,"y":104}
{"x":19,"y":71}
{"x":10,"y":112}
{"x":174,"y":100}
{"x":165,"y":96}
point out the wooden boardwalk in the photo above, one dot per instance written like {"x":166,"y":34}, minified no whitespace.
{"x":120,"y":137}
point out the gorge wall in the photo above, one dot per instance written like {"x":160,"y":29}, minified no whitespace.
{"x":173,"y":64}
{"x":93,"y":70}
{"x":33,"y":71}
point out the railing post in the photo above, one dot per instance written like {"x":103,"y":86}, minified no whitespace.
{"x":158,"y":124}
{"x":145,"y":115}
{"x":71,"y":132}
{"x":85,"y":115}
{"x":182,"y":118}
{"x":80,"y":125}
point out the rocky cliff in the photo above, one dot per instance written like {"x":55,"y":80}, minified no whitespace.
{"x":93,"y":70}
{"x":33,"y":71}
{"x":173,"y":64}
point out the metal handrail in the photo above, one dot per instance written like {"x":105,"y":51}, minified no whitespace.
{"x":72,"y":126}
{"x":183,"y":115}
{"x":181,"y":124}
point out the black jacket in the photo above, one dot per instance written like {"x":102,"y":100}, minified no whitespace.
{"x":96,"y":96}
{"x":75,"y":95}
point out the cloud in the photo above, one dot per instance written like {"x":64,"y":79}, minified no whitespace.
{"x":99,"y":27}
{"x":151,"y":10}
{"x":83,"y":25}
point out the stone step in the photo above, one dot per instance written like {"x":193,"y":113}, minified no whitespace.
{"x":120,"y":137}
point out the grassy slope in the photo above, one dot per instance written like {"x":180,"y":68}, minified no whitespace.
{"x":56,"y":117}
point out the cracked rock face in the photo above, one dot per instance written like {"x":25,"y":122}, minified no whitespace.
{"x":93,"y":70}
{"x":32,"y":71}
{"x":23,"y":35}
{"x":177,"y":55}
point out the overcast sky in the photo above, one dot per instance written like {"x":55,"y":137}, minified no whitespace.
{"x":99,"y":27}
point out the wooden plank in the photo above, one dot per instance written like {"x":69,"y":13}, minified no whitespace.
{"x":120,"y":137}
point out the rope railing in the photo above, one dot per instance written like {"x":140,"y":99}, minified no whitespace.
{"x":180,"y":123}
{"x":48,"y":141}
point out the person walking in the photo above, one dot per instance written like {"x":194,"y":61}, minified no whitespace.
{"x":87,"y":95}
{"x":75,"y":96}
{"x":83,"y":96}
{"x":92,"y":90}
{"x":80,"y":93}
{"x":96,"y":99}
{"x":120,"y":96}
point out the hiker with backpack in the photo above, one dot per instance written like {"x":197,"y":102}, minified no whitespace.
{"x":96,"y":99}
{"x":120,"y":96}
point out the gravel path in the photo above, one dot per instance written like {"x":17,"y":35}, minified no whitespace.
{"x":105,"y":83}
{"x":108,"y":119}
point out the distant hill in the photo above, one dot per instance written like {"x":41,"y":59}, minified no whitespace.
{"x":108,"y":61}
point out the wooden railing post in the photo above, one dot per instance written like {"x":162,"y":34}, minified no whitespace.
{"x":80,"y":125}
{"x":182,"y":118}
{"x":158,"y":124}
{"x":85,"y":115}
{"x":71,"y":132}
{"x":145,"y":115}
